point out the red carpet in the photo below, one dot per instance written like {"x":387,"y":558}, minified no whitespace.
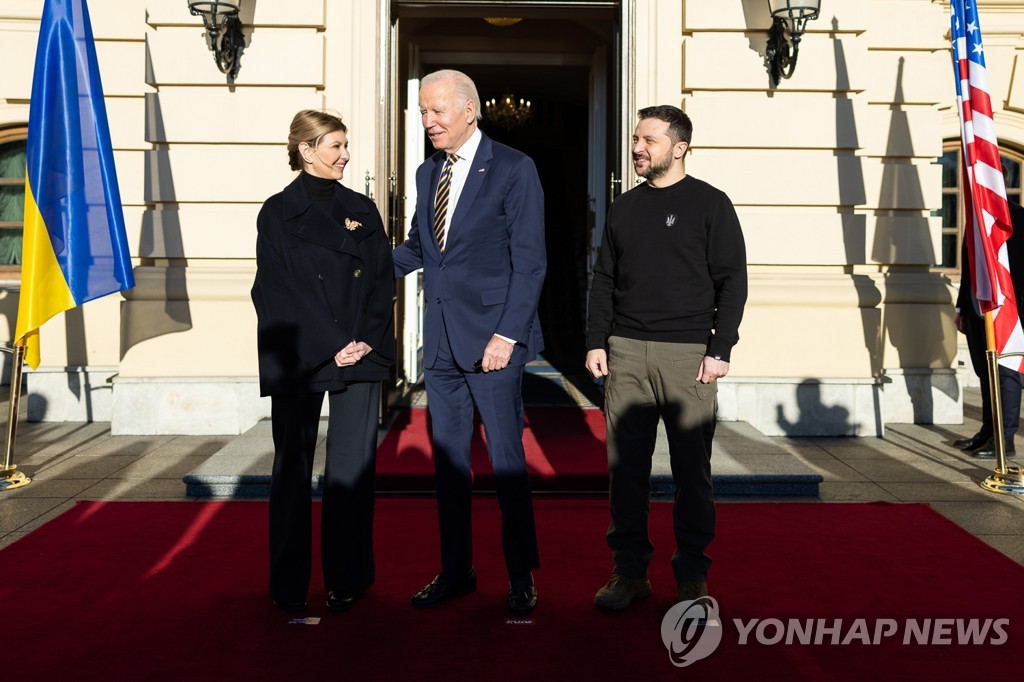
{"x":175,"y":591}
{"x":563,"y":444}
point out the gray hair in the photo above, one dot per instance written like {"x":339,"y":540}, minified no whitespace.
{"x":463,"y":87}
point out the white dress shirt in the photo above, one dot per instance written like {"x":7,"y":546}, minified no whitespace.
{"x":460,"y":171}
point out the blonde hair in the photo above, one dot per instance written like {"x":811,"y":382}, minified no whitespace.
{"x":463,"y":87}
{"x":310,"y":126}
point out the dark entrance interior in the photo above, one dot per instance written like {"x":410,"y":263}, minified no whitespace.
{"x":556,"y":139}
{"x":561,"y":61}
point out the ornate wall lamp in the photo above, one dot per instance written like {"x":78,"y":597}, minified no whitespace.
{"x":223,"y":33}
{"x":789,"y":20}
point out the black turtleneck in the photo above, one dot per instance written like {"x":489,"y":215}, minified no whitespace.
{"x":320,"y":191}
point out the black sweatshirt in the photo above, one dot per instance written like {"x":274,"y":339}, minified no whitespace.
{"x":672,"y":267}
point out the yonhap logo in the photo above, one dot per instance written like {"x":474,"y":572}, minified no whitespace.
{"x":691,"y":630}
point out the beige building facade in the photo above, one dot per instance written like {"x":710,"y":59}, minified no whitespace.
{"x":841,"y":176}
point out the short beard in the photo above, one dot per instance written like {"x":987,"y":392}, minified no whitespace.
{"x":657,"y":171}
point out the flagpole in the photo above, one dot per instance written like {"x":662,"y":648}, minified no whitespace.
{"x":10,"y":477}
{"x":1008,"y":480}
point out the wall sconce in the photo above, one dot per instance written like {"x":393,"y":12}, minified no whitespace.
{"x":789,"y":20}
{"x":223,"y":33}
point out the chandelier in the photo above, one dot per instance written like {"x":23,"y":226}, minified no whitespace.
{"x":506,"y":112}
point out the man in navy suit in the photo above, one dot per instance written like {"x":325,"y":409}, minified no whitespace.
{"x":478,"y":234}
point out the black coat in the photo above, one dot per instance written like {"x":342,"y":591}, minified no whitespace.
{"x":1015,"y":256}
{"x":319,"y":286}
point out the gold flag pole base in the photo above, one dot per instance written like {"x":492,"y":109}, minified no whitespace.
{"x":1005,"y":479}
{"x":1008,"y":481}
{"x":11,"y":479}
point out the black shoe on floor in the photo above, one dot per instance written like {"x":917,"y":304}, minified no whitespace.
{"x":443,"y":588}
{"x":988,"y":450}
{"x":339,"y":603}
{"x":972,"y":443}
{"x":522,"y":594}
{"x":522,"y":601}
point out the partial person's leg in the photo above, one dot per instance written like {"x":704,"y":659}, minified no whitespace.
{"x":631,"y":417}
{"x":451,"y":417}
{"x":498,"y":397}
{"x":688,"y":409}
{"x":1009,"y":397}
{"x":294,"y":422}
{"x":974,"y":330}
{"x":346,"y":529}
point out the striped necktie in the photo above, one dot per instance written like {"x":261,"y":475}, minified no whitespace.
{"x":444,"y":186}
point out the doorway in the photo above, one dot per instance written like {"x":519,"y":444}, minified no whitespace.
{"x":562,"y":58}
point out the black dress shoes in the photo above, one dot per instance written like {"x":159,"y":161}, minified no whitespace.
{"x":339,"y":603}
{"x":972,"y":443}
{"x":444,"y":587}
{"x":522,"y":599}
{"x":988,"y":450}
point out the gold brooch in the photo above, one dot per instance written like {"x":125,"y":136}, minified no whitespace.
{"x":352,"y":224}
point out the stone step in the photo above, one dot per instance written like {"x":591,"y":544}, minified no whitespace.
{"x":745,"y":464}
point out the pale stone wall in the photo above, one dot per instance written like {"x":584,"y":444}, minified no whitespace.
{"x":833,"y":177}
{"x":832,"y":174}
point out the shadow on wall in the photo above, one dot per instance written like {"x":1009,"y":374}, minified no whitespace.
{"x":850,"y":172}
{"x":758,"y":21}
{"x":916,"y":299}
{"x":159,"y":303}
{"x":814,"y":417}
{"x":247,"y":15}
{"x":913,"y":297}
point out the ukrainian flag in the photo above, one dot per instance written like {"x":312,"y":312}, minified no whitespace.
{"x":75,"y":248}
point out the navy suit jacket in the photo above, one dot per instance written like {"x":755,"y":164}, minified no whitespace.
{"x":489,"y":278}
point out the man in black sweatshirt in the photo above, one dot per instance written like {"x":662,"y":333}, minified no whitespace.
{"x":665,"y":307}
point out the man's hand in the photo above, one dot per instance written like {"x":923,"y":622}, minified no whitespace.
{"x":958,"y":322}
{"x":711,"y":369}
{"x":496,"y":355}
{"x":351,"y":354}
{"x":597,"y":362}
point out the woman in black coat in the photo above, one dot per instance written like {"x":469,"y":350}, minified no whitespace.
{"x":323,"y":296}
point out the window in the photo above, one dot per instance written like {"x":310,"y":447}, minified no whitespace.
{"x":12,"y":200}
{"x":952,"y":211}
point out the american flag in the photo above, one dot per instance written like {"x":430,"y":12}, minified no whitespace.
{"x":986,"y":212}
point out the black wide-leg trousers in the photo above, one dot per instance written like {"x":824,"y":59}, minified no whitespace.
{"x":346,"y":520}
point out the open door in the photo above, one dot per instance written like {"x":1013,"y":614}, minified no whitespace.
{"x":597,"y":171}
{"x":572,"y":61}
{"x":412,"y":285}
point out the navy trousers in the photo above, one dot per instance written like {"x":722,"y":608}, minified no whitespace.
{"x":1009,"y":380}
{"x":452,"y":394}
